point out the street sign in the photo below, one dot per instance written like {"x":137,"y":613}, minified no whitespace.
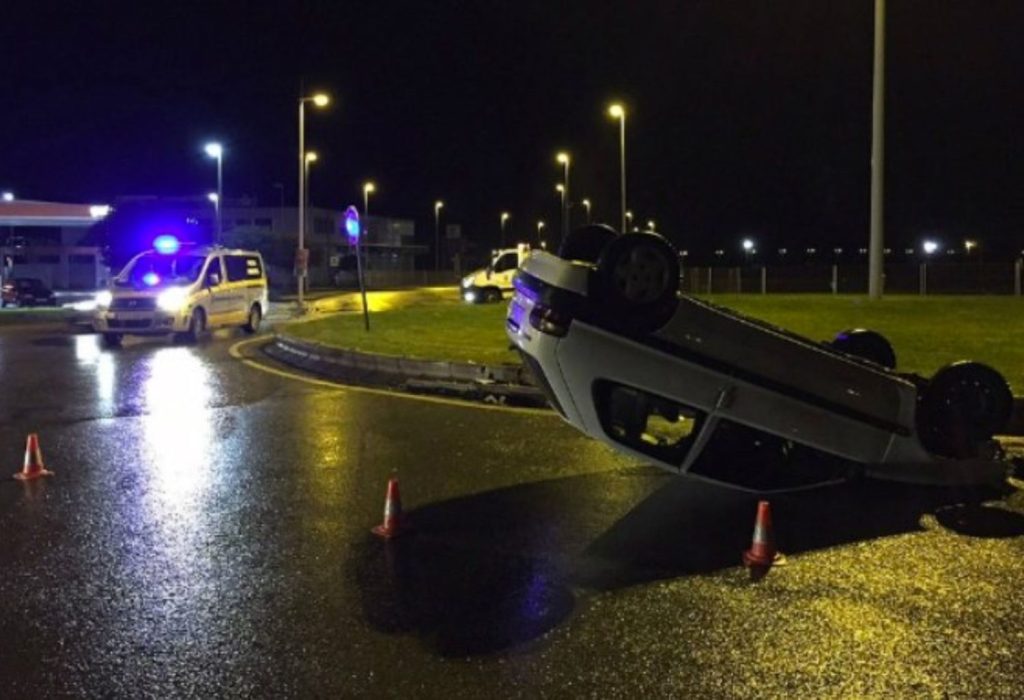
{"x":352,"y":225}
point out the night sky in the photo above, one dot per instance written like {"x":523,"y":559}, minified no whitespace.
{"x":744,"y":118}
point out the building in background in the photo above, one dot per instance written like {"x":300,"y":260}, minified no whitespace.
{"x":52,"y":241}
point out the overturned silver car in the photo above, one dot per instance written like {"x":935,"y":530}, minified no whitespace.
{"x":699,"y":389}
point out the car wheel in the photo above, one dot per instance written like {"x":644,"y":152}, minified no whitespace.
{"x":963,"y":405}
{"x":638,"y":278}
{"x":196,"y":326}
{"x":253,"y":324}
{"x":865,"y":344}
{"x":492,"y":295}
{"x":112,"y":340}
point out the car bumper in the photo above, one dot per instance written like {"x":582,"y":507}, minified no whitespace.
{"x":139,"y":323}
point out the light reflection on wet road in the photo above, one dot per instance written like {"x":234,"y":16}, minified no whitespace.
{"x":207,"y":534}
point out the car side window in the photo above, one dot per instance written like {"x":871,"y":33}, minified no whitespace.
{"x":214,"y":268}
{"x":243,"y":267}
{"x":508,"y":261}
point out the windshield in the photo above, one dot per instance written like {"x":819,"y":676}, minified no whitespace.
{"x":157,"y":270}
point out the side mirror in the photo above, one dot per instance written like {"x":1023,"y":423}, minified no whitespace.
{"x":212,"y":279}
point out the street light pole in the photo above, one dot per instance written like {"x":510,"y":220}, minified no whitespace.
{"x":320,"y":100}
{"x":617,"y":111}
{"x":875,"y":270}
{"x":215,"y":150}
{"x":437,"y":235}
{"x":586,"y":205}
{"x":368,"y":188}
{"x":540,"y":227}
{"x":501,"y":239}
{"x":564,"y":159}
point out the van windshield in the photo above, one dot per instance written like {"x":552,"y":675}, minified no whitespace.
{"x":157,"y":270}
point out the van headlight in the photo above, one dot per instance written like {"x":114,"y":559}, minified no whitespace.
{"x":466,"y":281}
{"x":171,"y":300}
{"x":103,"y":299}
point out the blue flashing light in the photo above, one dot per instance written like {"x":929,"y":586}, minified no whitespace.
{"x":352,"y":227}
{"x":151,"y":279}
{"x":166,"y":244}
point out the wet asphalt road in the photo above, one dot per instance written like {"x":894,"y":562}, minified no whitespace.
{"x":207,"y":534}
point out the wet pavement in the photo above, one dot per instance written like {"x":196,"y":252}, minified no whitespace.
{"x":207,"y":533}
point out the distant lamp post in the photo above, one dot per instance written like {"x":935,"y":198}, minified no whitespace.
{"x":748,"y":249}
{"x":215,"y":150}
{"x":8,"y":196}
{"x":540,"y":229}
{"x":318,"y":100}
{"x":628,"y":221}
{"x":438,"y":205}
{"x":970,"y":245}
{"x":650,"y":225}
{"x":586,"y":205}
{"x":929,"y":247}
{"x":504,"y":220}
{"x":215,"y":200}
{"x":617,"y":111}
{"x":564,"y":159}
{"x":368,"y":189}
{"x":310,"y":158}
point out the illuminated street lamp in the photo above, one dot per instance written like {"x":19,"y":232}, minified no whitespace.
{"x":627,"y":221}
{"x":215,"y":150}
{"x":8,"y":196}
{"x":318,"y":100}
{"x":650,"y":225}
{"x":540,"y":228}
{"x":504,"y":220}
{"x":586,"y":205}
{"x":564,"y":159}
{"x":215,"y":199}
{"x":368,"y":189}
{"x":437,"y":234}
{"x":311,"y":157}
{"x":617,"y":111}
{"x":748,"y":249}
{"x":970,"y":245}
{"x":929,"y":247}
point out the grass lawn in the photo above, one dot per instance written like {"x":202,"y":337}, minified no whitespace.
{"x":926,"y":332}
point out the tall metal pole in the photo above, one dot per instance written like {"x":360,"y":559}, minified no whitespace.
{"x":877,"y":248}
{"x":565,"y":203}
{"x":302,"y":196}
{"x":359,"y":257}
{"x":622,"y":166}
{"x":220,"y":195}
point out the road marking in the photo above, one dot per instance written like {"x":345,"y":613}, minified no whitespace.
{"x":236,"y":352}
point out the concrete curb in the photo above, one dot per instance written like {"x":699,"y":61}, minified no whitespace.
{"x":504,"y":384}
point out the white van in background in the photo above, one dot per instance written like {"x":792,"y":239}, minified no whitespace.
{"x":184,"y":291}
{"x":491,"y":282}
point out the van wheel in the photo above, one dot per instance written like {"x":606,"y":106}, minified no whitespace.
{"x":963,"y":405}
{"x":196,"y":326}
{"x":492,"y":295}
{"x":112,"y":340}
{"x":866,"y":344}
{"x":638,"y":277}
{"x":253,"y":324}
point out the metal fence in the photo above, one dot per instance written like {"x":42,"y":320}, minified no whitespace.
{"x":900,"y":278}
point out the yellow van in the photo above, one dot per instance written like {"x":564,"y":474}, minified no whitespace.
{"x":183,"y":291}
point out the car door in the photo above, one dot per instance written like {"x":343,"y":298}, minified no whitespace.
{"x":504,"y":269}
{"x":216,"y":287}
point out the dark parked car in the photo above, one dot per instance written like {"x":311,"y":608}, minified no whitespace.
{"x":26,"y":291}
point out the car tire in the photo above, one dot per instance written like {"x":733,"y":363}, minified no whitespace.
{"x":196,"y":326}
{"x":638,"y":280}
{"x":252,"y":325}
{"x":867,"y":345}
{"x":963,"y":405}
{"x":586,"y":243}
{"x":492,"y":295}
{"x":111,"y":340}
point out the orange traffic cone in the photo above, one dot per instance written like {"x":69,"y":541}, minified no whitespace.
{"x":762,"y":552}
{"x":33,"y":467}
{"x":394,"y":523}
